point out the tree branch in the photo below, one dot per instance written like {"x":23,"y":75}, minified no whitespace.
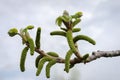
{"x":95,"y":55}
{"x":99,"y":54}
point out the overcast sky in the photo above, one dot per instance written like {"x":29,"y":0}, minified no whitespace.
{"x":101,"y":21}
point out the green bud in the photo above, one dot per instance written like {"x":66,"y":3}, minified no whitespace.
{"x":66,"y":17}
{"x":30,"y":27}
{"x":59,"y":21}
{"x":72,"y":65}
{"x":78,"y":14}
{"x":65,"y":13}
{"x":85,"y":57}
{"x":12,"y":32}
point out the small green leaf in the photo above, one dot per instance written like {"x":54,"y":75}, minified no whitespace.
{"x":59,"y":21}
{"x":12,"y":32}
{"x":65,"y":18}
{"x":23,"y":58}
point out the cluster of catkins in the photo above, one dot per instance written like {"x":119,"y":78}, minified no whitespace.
{"x":67,"y":25}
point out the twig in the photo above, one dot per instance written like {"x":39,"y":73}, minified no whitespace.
{"x":95,"y":55}
{"x":100,"y":54}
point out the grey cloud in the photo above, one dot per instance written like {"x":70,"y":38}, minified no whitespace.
{"x":106,"y":13}
{"x":100,"y":21}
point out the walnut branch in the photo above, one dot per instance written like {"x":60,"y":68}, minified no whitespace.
{"x":95,"y":55}
{"x":100,"y":54}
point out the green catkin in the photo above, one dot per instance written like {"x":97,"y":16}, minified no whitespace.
{"x":27,"y":35}
{"x":24,"y":39}
{"x":64,"y":29}
{"x":76,"y":22}
{"x":48,"y":66}
{"x":65,"y":13}
{"x":12,"y":32}
{"x":59,"y":21}
{"x":67,"y":60}
{"x":23,"y":58}
{"x":53,"y":54}
{"x":83,"y":37}
{"x":60,"y":33}
{"x":38,"y":35}
{"x":37,"y":60}
{"x":29,"y":27}
{"x":72,"y":65}
{"x":70,"y":41}
{"x":41,"y":63}
{"x":31,"y":45}
{"x":76,"y":29}
{"x":65,"y":18}
{"x":77,"y":15}
{"x":85,"y":56}
{"x":73,"y":30}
